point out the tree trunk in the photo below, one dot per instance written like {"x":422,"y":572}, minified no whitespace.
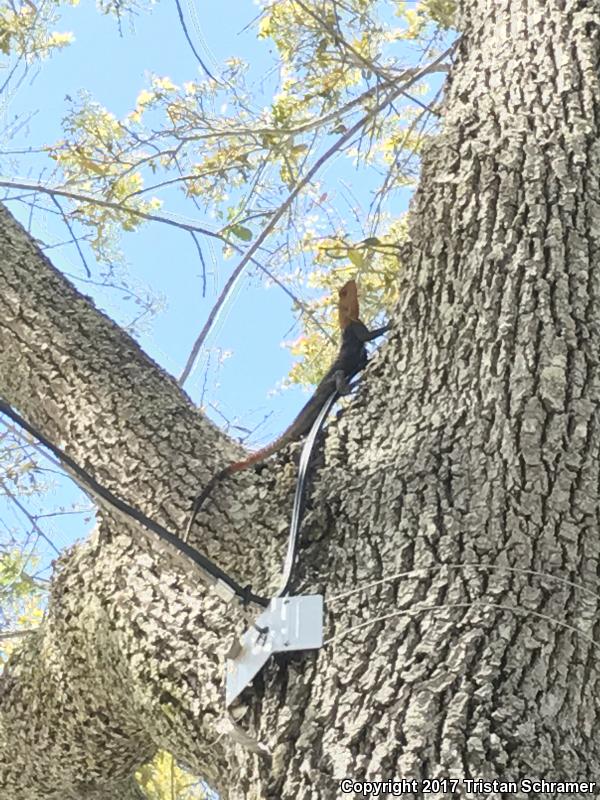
{"x":454,"y":521}
{"x":130,"y":658}
{"x":469,"y":463}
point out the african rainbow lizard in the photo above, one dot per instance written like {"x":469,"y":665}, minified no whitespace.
{"x":351,"y":359}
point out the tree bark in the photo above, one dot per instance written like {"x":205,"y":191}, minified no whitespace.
{"x":454,"y":519}
{"x":130,"y":656}
{"x":471,"y":457}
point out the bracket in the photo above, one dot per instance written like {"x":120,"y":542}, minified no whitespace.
{"x":288,"y":623}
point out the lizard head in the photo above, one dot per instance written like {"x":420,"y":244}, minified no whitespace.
{"x":348,"y":304}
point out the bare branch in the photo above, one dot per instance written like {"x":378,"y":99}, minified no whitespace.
{"x":82,"y":198}
{"x":74,"y":237}
{"x":279,"y":212}
{"x":17,"y":634}
{"x":186,"y":226}
{"x":191,"y":44}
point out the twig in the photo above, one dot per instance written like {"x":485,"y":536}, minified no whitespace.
{"x":17,"y":634}
{"x":202,"y":261}
{"x":267,"y":230}
{"x":191,"y":44}
{"x":381,"y":73}
{"x":29,"y":516}
{"x":82,"y":198}
{"x":74,"y":237}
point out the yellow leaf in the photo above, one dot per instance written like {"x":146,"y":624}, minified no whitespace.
{"x":144,"y":97}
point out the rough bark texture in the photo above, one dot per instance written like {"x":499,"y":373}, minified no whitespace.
{"x":130,"y":656}
{"x":475,"y":442}
{"x":469,"y":462}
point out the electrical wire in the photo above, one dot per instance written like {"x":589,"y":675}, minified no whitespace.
{"x":476,"y":604}
{"x":439,"y":567}
{"x":298,"y":507}
{"x":213,"y":574}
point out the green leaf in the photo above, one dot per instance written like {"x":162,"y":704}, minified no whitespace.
{"x":241,"y":232}
{"x":298,"y":149}
{"x":5,"y":43}
{"x":357,"y":258}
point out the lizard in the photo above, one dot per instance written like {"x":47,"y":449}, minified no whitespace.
{"x":351,"y":359}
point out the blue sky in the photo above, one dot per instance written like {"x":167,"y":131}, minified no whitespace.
{"x":114,"y":69}
{"x":158,"y":256}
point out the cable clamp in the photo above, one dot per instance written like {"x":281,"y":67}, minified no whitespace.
{"x":288,"y":623}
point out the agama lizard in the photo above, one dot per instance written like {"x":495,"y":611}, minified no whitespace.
{"x":351,"y":359}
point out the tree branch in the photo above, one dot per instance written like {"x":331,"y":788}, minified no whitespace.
{"x":278,"y":214}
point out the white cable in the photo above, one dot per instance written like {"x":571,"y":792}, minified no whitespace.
{"x":439,"y":567}
{"x":420,"y":609}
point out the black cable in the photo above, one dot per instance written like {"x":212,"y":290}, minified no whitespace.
{"x":208,"y":566}
{"x":298,"y":507}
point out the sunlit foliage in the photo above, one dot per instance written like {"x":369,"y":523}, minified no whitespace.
{"x":163,"y":779}
{"x":333,"y":95}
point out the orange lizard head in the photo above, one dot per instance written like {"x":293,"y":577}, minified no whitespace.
{"x":348,"y":304}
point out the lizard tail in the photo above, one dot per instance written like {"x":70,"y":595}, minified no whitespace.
{"x":259,"y":455}
{"x":199,"y":501}
{"x":237,"y":466}
{"x":298,"y":428}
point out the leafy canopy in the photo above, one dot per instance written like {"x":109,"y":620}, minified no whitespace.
{"x":241,"y":154}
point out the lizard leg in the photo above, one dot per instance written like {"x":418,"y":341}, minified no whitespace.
{"x":341,"y":384}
